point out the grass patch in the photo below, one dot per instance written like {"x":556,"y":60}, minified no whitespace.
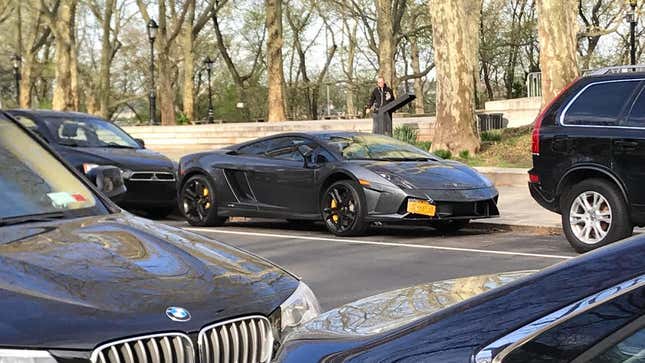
{"x":507,"y":148}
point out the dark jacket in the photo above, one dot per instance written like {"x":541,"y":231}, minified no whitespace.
{"x":380,"y":97}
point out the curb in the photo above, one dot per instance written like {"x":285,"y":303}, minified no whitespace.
{"x":507,"y":227}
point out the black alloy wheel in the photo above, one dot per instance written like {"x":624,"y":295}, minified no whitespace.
{"x":343,"y":209}
{"x":198,"y":202}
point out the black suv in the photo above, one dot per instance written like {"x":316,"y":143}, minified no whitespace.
{"x":588,"y":146}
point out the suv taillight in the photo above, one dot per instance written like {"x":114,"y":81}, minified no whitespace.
{"x":535,"y":135}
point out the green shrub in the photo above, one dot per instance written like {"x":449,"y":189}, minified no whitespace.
{"x":423,"y":145}
{"x":406,"y":133}
{"x":464,"y":155}
{"x":493,"y":135}
{"x":182,"y":119}
{"x":444,"y":154}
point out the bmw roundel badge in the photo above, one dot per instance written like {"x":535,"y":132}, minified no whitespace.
{"x":177,"y":314}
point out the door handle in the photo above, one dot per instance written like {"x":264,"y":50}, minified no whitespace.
{"x":626,"y":145}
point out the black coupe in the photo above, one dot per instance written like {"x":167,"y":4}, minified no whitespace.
{"x":590,"y":309}
{"x":347,"y":179}
{"x":87,"y":142}
{"x":83,"y":281}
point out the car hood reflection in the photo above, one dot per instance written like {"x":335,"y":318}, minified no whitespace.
{"x":439,"y":175}
{"x":380,"y":313}
{"x":81,"y":282}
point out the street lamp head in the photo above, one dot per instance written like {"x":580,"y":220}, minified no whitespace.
{"x":152,"y":30}
{"x":208,"y":62}
{"x":16,"y":61}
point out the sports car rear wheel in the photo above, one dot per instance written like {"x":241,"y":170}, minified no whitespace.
{"x":198,"y":202}
{"x":343,"y":209}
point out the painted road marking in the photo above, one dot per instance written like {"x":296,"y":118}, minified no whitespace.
{"x":377,"y":243}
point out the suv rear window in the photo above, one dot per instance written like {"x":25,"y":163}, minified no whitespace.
{"x":600,"y":103}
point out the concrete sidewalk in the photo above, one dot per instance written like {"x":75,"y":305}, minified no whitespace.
{"x":518,"y":209}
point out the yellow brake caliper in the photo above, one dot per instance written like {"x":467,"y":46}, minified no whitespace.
{"x":334,"y":216}
{"x":205,"y":194}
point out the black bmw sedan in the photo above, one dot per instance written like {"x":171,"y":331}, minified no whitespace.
{"x":348,"y":180}
{"x":83,"y":281}
{"x":590,"y":309}
{"x":87,"y":141}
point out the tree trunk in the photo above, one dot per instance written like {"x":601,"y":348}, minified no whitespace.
{"x":456,"y":45}
{"x":419,"y":105}
{"x":189,"y":64}
{"x":63,"y":25}
{"x":104,"y":72}
{"x":387,"y":46}
{"x":557,"y":31}
{"x":25,"y":80}
{"x":276,"y":104}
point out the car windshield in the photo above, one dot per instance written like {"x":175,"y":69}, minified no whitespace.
{"x":376,"y":147}
{"x":88,"y":132}
{"x":34,"y":183}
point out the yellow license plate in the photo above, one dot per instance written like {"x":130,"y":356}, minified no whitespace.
{"x":422,"y":207}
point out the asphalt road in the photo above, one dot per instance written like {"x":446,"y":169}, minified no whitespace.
{"x":341,"y":270}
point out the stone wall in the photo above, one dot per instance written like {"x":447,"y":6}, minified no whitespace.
{"x":176,"y":141}
{"x":518,"y":111}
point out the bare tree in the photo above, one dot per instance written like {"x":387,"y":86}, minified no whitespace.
{"x":557,"y":30}
{"x":276,"y":102}
{"x":456,"y":41}
{"x":170,"y":26}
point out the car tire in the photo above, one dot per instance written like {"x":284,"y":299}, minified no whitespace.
{"x":198,"y":203}
{"x":594,"y":214}
{"x":451,"y":226}
{"x":160,"y":212}
{"x":346,"y":216}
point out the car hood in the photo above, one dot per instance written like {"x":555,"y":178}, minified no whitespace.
{"x":75,"y":284}
{"x":133,"y":159}
{"x":433,"y":174}
{"x":384,"y":312}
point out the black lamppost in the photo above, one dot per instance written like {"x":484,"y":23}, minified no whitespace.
{"x":17,"y":60}
{"x":152,"y":34}
{"x":208,"y":62}
{"x":633,"y":20}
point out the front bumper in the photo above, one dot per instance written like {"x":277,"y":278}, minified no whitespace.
{"x":391,"y":205}
{"x":142,"y":194}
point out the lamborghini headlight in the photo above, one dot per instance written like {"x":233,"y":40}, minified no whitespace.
{"x":25,"y":356}
{"x":396,"y":180}
{"x":298,"y":309}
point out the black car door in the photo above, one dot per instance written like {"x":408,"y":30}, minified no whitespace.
{"x":611,"y":332}
{"x":591,"y":124}
{"x":629,"y":151}
{"x":282,"y":184}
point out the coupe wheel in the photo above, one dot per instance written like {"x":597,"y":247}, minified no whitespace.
{"x":343,"y":209}
{"x":594,"y":214}
{"x":198,"y":202}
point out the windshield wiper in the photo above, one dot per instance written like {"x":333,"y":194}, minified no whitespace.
{"x":68,"y":143}
{"x":31,"y":218}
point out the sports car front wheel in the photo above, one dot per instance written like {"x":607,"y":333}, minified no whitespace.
{"x":198,"y":202}
{"x":343,"y":209}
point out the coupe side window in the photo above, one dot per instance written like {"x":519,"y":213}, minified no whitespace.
{"x":637,"y":116}
{"x":286,"y":148}
{"x":574,"y":339}
{"x":628,"y":348}
{"x":601,"y":104}
{"x":29,"y":124}
{"x":258,"y":148}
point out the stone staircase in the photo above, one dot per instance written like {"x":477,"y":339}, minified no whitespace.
{"x":177,"y":141}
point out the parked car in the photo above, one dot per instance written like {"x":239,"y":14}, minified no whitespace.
{"x":84,"y":281}
{"x":346,"y":179}
{"x":87,"y":141}
{"x":588,"y":145}
{"x":587,"y":309}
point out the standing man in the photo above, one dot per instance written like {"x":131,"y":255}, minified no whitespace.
{"x":381,"y":96}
